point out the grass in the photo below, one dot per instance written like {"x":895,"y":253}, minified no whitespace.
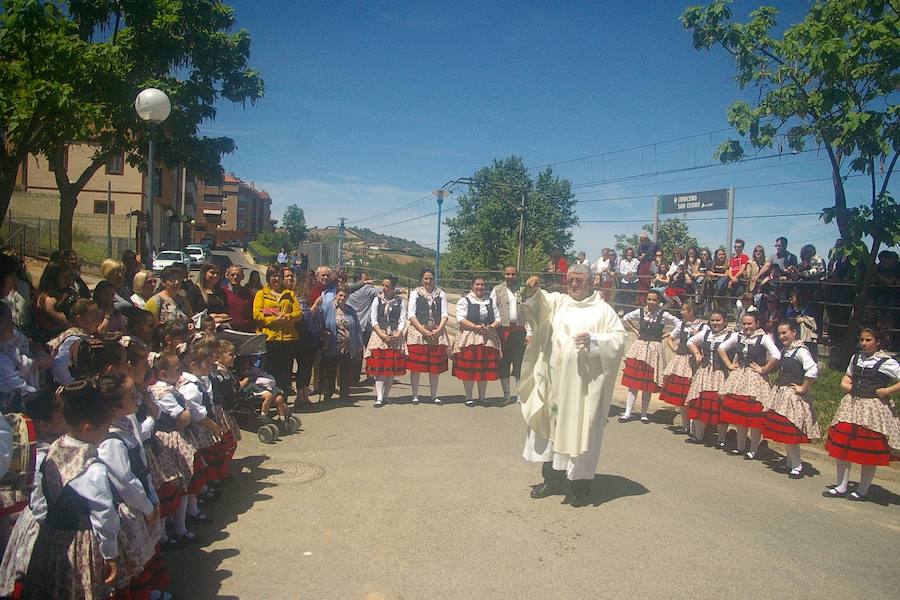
{"x":826,"y":394}
{"x":262,"y":253}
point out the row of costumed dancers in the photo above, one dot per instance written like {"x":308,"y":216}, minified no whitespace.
{"x":721,"y":377}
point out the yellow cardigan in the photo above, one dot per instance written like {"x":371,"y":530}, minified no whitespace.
{"x":283,"y":330}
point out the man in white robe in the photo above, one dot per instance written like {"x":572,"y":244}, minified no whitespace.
{"x":568,"y":377}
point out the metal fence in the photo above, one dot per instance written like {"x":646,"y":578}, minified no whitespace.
{"x":320,"y":253}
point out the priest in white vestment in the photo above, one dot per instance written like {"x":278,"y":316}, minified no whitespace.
{"x":568,"y":376}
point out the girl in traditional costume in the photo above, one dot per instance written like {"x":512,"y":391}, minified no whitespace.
{"x":386,"y":351}
{"x":477,"y":347}
{"x":426,"y":337}
{"x":679,"y":370}
{"x":703,"y":400}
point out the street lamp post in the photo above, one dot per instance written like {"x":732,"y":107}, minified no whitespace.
{"x":153,"y":107}
{"x":440,"y":195}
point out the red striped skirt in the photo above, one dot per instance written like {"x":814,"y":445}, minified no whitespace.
{"x":200,"y":474}
{"x":675,"y":390}
{"x":743,"y":411}
{"x":779,"y":429}
{"x":475,"y":363}
{"x":155,"y":576}
{"x":168,"y":499}
{"x":214,"y":457}
{"x":386,"y":362}
{"x":427,"y":358}
{"x":706,"y":408}
{"x":857,"y":444}
{"x":638,"y":375}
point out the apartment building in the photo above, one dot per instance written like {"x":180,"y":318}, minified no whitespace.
{"x":231,"y":209}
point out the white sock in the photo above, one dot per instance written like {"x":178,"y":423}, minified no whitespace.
{"x":793,"y":456}
{"x":379,"y":389}
{"x":843,"y":476}
{"x":721,"y":432}
{"x":699,"y":428}
{"x":504,"y":383}
{"x":629,"y":402}
{"x":192,"y":509}
{"x":468,"y":386}
{"x":741,"y":438}
{"x":433,"y":383}
{"x":180,"y":516}
{"x":755,"y":439}
{"x":645,"y":402}
{"x":482,"y":390}
{"x":414,"y":383}
{"x":865,"y":479}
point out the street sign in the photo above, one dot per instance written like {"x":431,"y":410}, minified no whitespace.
{"x":694,"y":201}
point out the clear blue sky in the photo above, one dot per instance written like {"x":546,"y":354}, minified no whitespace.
{"x":369,"y":108}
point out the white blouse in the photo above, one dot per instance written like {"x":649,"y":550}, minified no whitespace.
{"x":373,"y":312}
{"x":801,"y":353}
{"x":462,"y":307}
{"x":114,"y":453}
{"x":414,"y":297}
{"x":772,"y":350}
{"x":667,"y":317}
{"x":166,"y":401}
{"x":192,"y":396}
{"x":693,"y":328}
{"x":890,"y":367}
{"x":697,"y":339}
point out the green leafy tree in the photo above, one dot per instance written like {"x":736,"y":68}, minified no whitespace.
{"x":118,"y":47}
{"x":673,"y":233}
{"x":295,"y":222}
{"x":825,"y":81}
{"x":488,"y":218}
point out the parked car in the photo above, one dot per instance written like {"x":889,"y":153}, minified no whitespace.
{"x":223,"y":261}
{"x":168,"y":257}
{"x":198,"y":254}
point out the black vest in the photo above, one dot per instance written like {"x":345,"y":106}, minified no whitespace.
{"x":683,"y":338}
{"x":165,"y":422}
{"x":752,"y":353}
{"x":651,"y":332}
{"x":136,"y":463}
{"x":711,"y":352}
{"x":428,"y":312}
{"x":224,"y":388}
{"x":389,"y":314}
{"x":206,"y":399}
{"x":868,"y":379}
{"x":792,"y":371}
{"x":473,"y":313}
{"x":69,"y":511}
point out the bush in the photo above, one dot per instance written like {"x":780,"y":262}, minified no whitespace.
{"x":826,"y":394}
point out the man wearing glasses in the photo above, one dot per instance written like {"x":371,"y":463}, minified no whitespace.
{"x":240,"y":300}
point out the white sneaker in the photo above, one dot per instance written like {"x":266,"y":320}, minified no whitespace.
{"x":379,"y":403}
{"x":437,"y":401}
{"x":415,"y":400}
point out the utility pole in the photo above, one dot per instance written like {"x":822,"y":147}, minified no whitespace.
{"x":520,"y":259}
{"x":340,"y":262}
{"x":440,"y":195}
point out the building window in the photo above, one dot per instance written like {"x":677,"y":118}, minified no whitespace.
{"x":100,"y":207}
{"x":157,"y":183}
{"x":115,"y":165}
{"x":65,"y":160}
{"x":213,"y":198}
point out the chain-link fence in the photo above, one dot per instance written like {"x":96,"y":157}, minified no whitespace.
{"x":320,"y":253}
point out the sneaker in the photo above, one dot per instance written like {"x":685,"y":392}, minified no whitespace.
{"x":470,"y":403}
{"x":379,"y":403}
{"x":796,"y":473}
{"x":415,"y":399}
{"x":437,"y":401}
{"x":750,"y":456}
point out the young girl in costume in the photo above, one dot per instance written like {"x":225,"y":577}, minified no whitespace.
{"x":679,"y":370}
{"x":703,"y":400}
{"x":426,"y":337}
{"x":645,"y":359}
{"x":477,"y":348}
{"x":864,"y":429}
{"x":789,"y":416}
{"x":385,"y":353}
{"x":85,"y":317}
{"x":225,"y":387}
{"x":748,"y":383}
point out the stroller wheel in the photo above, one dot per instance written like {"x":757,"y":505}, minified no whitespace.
{"x":292,"y":425}
{"x":266,"y":435}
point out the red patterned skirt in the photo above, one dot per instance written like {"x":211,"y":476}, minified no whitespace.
{"x":743,"y":411}
{"x":779,"y":429}
{"x":857,"y":444}
{"x":638,"y":375}
{"x":168,"y":498}
{"x":675,"y":390}
{"x":155,"y":576}
{"x":706,"y":408}
{"x":427,"y":358}
{"x":200,"y":474}
{"x":475,"y":363}
{"x":214,"y":457}
{"x":386,"y":362}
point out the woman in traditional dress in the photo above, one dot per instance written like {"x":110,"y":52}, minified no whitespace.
{"x":644,"y":361}
{"x":679,"y":370}
{"x":789,"y":415}
{"x":864,"y":429}
{"x":748,"y":383}
{"x":426,"y":338}
{"x":477,"y":347}
{"x":703,"y":401}
{"x":386,"y":351}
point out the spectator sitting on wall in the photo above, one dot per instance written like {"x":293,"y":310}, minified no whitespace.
{"x":812,"y":266}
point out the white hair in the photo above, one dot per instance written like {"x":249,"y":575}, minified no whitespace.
{"x":581,"y":268}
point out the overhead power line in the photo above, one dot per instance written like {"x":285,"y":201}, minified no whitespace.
{"x":801,"y":214}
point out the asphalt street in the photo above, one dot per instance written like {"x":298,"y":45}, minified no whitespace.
{"x":424,"y":502}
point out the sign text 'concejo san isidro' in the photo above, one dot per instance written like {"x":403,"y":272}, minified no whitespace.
{"x":693,"y":201}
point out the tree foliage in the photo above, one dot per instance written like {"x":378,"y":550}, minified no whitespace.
{"x":673,"y":233}
{"x":825,"y":82}
{"x":294,"y":221}
{"x":487,"y":223}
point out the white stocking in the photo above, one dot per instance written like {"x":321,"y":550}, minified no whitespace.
{"x":755,"y":439}
{"x":192,"y":509}
{"x":482,"y":390}
{"x":865,"y":479}
{"x":645,"y":402}
{"x":843,"y":476}
{"x":379,"y":388}
{"x":793,"y":455}
{"x":721,"y":432}
{"x":180,"y":515}
{"x":699,"y":429}
{"x":741,"y":438}
{"x":504,"y":383}
{"x":629,"y":402}
{"x":388,"y":382}
{"x":433,"y":383}
{"x":414,"y":383}
{"x":468,"y":386}
{"x":685,"y":421}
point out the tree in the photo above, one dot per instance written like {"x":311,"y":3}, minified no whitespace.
{"x":183,"y":47}
{"x":295,"y":222}
{"x":673,"y":233}
{"x":826,"y":82}
{"x":487,"y":222}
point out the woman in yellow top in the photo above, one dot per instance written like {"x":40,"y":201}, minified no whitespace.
{"x":278,"y":311}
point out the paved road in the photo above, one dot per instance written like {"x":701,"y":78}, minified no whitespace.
{"x":427,"y":502}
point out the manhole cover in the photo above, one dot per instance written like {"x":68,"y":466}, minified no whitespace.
{"x":294,"y":472}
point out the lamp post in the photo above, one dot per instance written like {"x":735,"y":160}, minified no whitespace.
{"x":440,"y":195}
{"x":218,"y":229}
{"x":153,"y":107}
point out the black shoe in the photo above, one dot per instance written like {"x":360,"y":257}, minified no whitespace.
{"x":624,"y":419}
{"x":579,"y":493}
{"x":645,"y":420}
{"x":830,"y":493}
{"x":547,"y":488}
{"x":720,"y":445}
{"x":854,"y":497}
{"x":693,"y":440}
